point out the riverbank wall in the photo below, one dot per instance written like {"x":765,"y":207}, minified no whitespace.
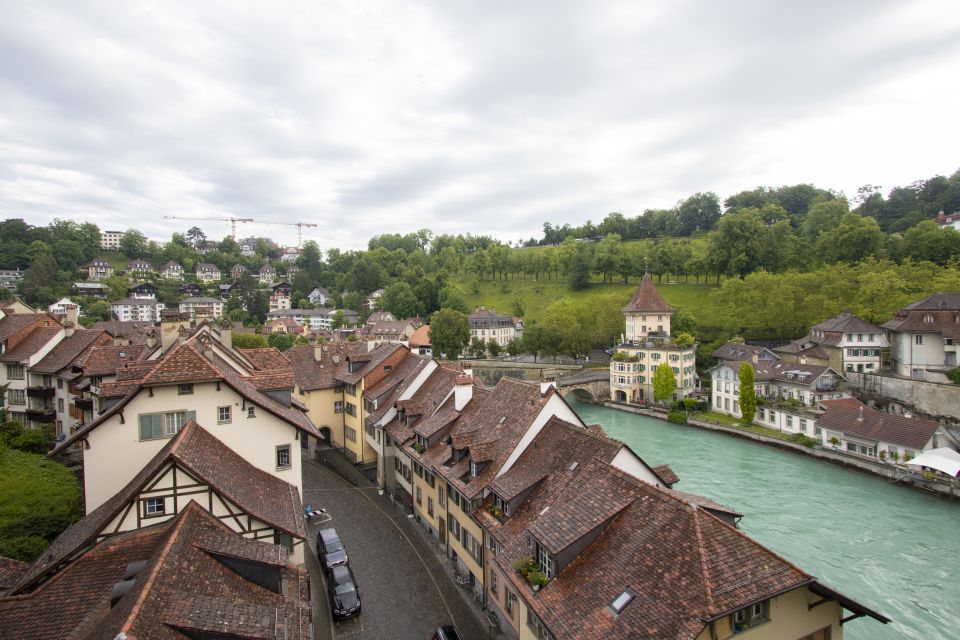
{"x":893,"y":472}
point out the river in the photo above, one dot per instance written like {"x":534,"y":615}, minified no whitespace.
{"x":891,"y":548}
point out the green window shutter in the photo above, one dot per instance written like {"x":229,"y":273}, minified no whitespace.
{"x":150,"y":427}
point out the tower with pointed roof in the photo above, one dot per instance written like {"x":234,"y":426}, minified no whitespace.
{"x":647,"y":342}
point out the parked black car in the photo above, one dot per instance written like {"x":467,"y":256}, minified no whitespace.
{"x":344,"y":597}
{"x":330,"y":549}
{"x":446,"y":632}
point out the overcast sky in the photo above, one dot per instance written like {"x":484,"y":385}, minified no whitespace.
{"x":484,"y":117}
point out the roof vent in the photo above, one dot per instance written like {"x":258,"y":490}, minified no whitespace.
{"x":133,"y":569}
{"x":503,"y":419}
{"x":119,"y":590}
{"x":573,"y":467}
{"x":544,"y":510}
{"x":621,"y":601}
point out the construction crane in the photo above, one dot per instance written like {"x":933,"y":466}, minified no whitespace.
{"x":299,"y":226}
{"x":233,"y":221}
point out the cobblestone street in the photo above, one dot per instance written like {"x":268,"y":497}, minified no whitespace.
{"x":404,"y":588}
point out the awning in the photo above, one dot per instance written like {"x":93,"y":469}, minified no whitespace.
{"x":942,"y":459}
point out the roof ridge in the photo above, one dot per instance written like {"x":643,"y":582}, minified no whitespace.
{"x":704,"y":567}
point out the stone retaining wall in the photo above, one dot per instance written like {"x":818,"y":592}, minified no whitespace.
{"x":931,"y":398}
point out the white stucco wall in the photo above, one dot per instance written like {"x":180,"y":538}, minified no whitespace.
{"x":116,"y":453}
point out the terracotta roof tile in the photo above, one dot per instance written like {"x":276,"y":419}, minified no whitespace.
{"x":648,"y":299}
{"x":877,"y":426}
{"x":30,"y":345}
{"x":14,"y":323}
{"x":268,"y":358}
{"x":68,"y":350}
{"x":10,"y":571}
{"x":666,"y":474}
{"x":105,"y":360}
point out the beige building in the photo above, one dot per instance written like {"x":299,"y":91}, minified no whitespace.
{"x":201,"y":308}
{"x":844,"y":343}
{"x":487,"y":324}
{"x":647,"y":344}
{"x":244,"y":398}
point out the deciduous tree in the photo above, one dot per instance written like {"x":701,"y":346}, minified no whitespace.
{"x":664,"y":382}
{"x":449,"y":332}
{"x":748,"y":395}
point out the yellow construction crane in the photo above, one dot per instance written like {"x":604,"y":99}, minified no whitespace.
{"x":298,"y":225}
{"x":233,"y":221}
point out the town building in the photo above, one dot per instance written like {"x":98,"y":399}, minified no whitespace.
{"x":191,"y":290}
{"x":25,"y":338}
{"x":138,"y":309}
{"x":248,"y":247}
{"x":844,"y":343}
{"x":59,"y":308}
{"x":924,"y":337}
{"x":236,"y":271}
{"x":373,"y":298}
{"x":647,"y":344}
{"x":282,"y":325}
{"x":98,"y":270}
{"x":289,"y":254}
{"x":139,"y":269}
{"x":171,"y":271}
{"x":317,"y":319}
{"x":201,"y":308}
{"x":267,"y":275}
{"x":318,"y":296}
{"x":420,"y":341}
{"x":207,"y":272}
{"x":230,"y":289}
{"x":10,"y":279}
{"x":279,"y":300}
{"x":242,"y":396}
{"x":857,"y":429}
{"x":388,"y":331}
{"x":948,"y":221}
{"x":110,"y":240}
{"x":487,"y":324}
{"x":95,"y":290}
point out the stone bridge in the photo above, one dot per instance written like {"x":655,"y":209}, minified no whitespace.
{"x":590,"y":385}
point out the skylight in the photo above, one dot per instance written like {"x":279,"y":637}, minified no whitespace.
{"x":621,"y":601}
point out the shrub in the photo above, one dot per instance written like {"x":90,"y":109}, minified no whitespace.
{"x":690,"y":404}
{"x":954,"y":374}
{"x":806,"y":441}
{"x":677,"y":417}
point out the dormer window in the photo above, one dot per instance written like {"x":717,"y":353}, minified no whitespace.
{"x":544,"y":561}
{"x":928,"y":317}
{"x":501,"y":504}
{"x":474,"y":469}
{"x":751,"y":616}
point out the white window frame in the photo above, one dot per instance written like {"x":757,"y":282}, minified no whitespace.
{"x":280,"y":451}
{"x":224,"y":414}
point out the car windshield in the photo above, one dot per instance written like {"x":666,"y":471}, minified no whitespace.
{"x":345,"y":588}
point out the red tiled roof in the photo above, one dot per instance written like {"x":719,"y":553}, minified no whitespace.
{"x":36,"y":340}
{"x":311,"y":375}
{"x":648,"y":299}
{"x":10,"y":571}
{"x":666,"y":474}
{"x":105,"y":360}
{"x":268,"y":358}
{"x":421,"y":337}
{"x":187,"y":585}
{"x":877,"y":426}
{"x":182,"y":365}
{"x":69,"y":349}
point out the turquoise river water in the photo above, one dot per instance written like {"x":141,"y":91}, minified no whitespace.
{"x":894,"y":549}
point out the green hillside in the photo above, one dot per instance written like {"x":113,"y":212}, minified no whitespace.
{"x":537,"y":295}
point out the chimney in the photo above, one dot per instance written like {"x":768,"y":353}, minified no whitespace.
{"x":547,"y":380}
{"x":151,"y":338}
{"x":318,"y":350}
{"x":462,"y":391}
{"x":226,"y":337}
{"x":755,"y":358}
{"x":72,"y":318}
{"x":860,"y":417}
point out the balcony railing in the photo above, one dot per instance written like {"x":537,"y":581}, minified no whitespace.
{"x":41,"y":391}
{"x":84,"y":404}
{"x":42,"y":414}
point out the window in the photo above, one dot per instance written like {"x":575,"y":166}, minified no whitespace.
{"x":59,"y":383}
{"x":419,"y":496}
{"x":918,"y":339}
{"x":185,"y":389}
{"x":789,"y":421}
{"x":545,"y":561}
{"x":509,"y":599}
{"x":14,"y":372}
{"x":351,"y":389}
{"x":817,"y":431}
{"x":495,"y":547}
{"x":928,"y":317}
{"x":283,"y":456}
{"x":351,"y":409}
{"x":537,"y":627}
{"x":154,"y":507}
{"x":338,"y":406}
{"x":251,"y":412}
{"x":223,"y":415}
{"x":441,"y":500}
{"x":430,"y":507}
{"x":493,"y":582}
{"x":154,"y":426}
{"x":454,"y":526}
{"x":350,"y":434}
{"x":501,"y":504}
{"x":751,"y":616}
{"x":284,"y":540}
{"x":803,"y":425}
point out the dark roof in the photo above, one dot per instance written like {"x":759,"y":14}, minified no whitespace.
{"x":188,"y":586}
{"x":311,"y":375}
{"x":846,"y":322}
{"x":104,"y":360}
{"x":942,"y":308}
{"x":648,"y":299}
{"x":69,"y":349}
{"x":738,"y":351}
{"x":845,"y":415}
{"x":256,"y":492}
{"x":10,"y":572}
{"x":371,"y":360}
{"x":666,"y":475}
{"x":13,"y":323}
{"x":29,"y":346}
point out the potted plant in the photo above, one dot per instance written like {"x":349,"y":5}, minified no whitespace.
{"x":495,"y":511}
{"x":536,"y":579}
{"x":834,"y":441}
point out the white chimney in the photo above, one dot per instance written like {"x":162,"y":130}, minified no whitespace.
{"x":860,"y":417}
{"x":462,"y":391}
{"x":468,"y":370}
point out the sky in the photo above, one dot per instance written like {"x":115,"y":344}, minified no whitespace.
{"x":459,"y":116}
